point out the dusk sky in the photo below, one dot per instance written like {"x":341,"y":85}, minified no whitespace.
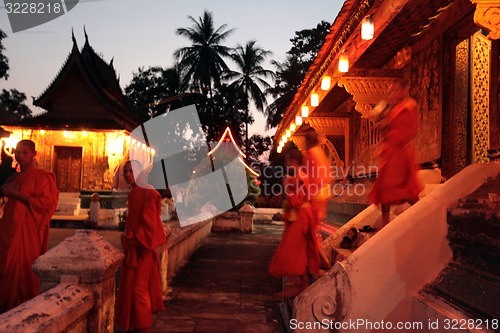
{"x":142,"y":34}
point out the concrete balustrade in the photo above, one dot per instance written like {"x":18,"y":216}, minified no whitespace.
{"x":78,"y":281}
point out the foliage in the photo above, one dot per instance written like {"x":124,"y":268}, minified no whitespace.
{"x":258,"y":145}
{"x":149,"y":87}
{"x":4,"y":62}
{"x":12,"y":106}
{"x":250,"y":76}
{"x":204,"y":59}
{"x":289,"y":75}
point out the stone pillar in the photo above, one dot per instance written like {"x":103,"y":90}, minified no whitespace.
{"x":89,"y":260}
{"x":246,"y":218}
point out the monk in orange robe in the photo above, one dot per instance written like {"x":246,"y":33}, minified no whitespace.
{"x":32,"y":198}
{"x":318,"y":170}
{"x":297,"y":253}
{"x":397,"y":180}
{"x":139,"y":293}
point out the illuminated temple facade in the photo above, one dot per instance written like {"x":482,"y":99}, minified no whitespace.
{"x":83,"y":137}
{"x":447,"y":49}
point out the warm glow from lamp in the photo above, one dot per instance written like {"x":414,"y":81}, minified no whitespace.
{"x":298,"y":120}
{"x":344,"y":63}
{"x":282,"y":144}
{"x":84,"y":133}
{"x":42,"y":132}
{"x":66,"y":134}
{"x":288,"y":133}
{"x":279,"y":149}
{"x":325,"y":82}
{"x":284,"y":138}
{"x":367,"y":28}
{"x":305,"y":111}
{"x":293,"y":127}
{"x":314,"y":99}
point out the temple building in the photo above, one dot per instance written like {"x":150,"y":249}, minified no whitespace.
{"x":84,"y":134}
{"x":446,"y":49}
{"x":83,"y":137}
{"x":438,"y":259}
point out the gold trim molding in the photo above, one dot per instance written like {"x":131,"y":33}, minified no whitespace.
{"x":368,"y":87}
{"x":487,"y":15}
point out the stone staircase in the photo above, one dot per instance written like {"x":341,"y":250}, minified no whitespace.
{"x":69,"y":204}
{"x":467,"y":290}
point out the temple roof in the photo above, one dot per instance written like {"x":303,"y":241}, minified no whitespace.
{"x":85,"y":76}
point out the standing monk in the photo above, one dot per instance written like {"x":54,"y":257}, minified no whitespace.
{"x":397,"y":180}
{"x":318,"y":171}
{"x":32,"y":197}
{"x":139,"y":293}
{"x":297,"y":253}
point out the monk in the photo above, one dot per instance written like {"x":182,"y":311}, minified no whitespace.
{"x":32,"y":198}
{"x":297,"y":253}
{"x":318,"y":170}
{"x":139,"y":293}
{"x":397,"y":180}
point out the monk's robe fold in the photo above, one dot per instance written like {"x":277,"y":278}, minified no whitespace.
{"x":297,"y":252}
{"x":139,"y":293}
{"x":24,"y":231}
{"x":397,"y":175}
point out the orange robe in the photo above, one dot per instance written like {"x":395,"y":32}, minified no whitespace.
{"x":319,"y":173}
{"x":139,"y":293}
{"x":24,"y":233}
{"x":297,"y":252}
{"x":397,"y":177}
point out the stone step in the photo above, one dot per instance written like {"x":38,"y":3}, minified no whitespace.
{"x":438,"y":316}
{"x":475,"y":292}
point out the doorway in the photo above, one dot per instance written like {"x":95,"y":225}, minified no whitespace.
{"x":67,"y":166}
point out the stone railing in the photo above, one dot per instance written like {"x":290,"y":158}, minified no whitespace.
{"x":235,"y":221}
{"x":78,"y":289}
{"x":78,"y":281}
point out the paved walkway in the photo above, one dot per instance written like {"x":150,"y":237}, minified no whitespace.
{"x":225,"y":286}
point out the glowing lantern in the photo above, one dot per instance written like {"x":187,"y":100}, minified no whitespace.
{"x":344,"y":63}
{"x":280,"y":149}
{"x":314,"y":99}
{"x":298,"y":120}
{"x":325,"y":82}
{"x":293,"y":127}
{"x":367,"y":28}
{"x":305,"y":111}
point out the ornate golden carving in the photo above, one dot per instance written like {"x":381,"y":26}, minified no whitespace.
{"x":366,"y":91}
{"x":461,"y":103}
{"x":481,"y":59}
{"x":487,"y":15}
{"x":328,"y":125}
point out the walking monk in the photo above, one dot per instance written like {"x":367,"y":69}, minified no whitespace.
{"x":397,"y":180}
{"x":318,"y":171}
{"x":32,"y":197}
{"x":139,"y":293}
{"x":297,"y":253}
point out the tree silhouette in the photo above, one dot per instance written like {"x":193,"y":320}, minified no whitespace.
{"x":204,"y":59}
{"x":249,"y":77}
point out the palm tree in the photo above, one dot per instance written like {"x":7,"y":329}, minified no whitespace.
{"x":249,"y":78}
{"x":203,"y":60}
{"x":289,"y":76}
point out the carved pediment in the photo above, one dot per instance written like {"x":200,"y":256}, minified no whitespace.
{"x":327,"y":125}
{"x":368,"y":87}
{"x":487,"y":15}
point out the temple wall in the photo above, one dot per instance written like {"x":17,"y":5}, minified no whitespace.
{"x":98,"y":160}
